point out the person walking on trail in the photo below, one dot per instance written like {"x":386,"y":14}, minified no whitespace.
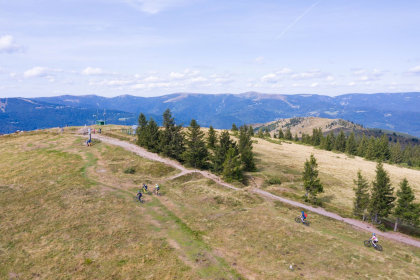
{"x":303,"y":216}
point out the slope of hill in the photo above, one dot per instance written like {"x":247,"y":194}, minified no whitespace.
{"x":69,"y":213}
{"x":382,"y":110}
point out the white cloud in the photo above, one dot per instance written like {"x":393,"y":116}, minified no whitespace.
{"x":270,"y":78}
{"x":284,"y":71}
{"x":359,"y":72}
{"x":258,"y":60}
{"x":314,"y":85}
{"x":36,"y":72}
{"x":413,"y":71}
{"x":187,"y":73}
{"x":115,"y":82}
{"x":225,"y":81}
{"x":176,"y":76}
{"x":352,"y":84}
{"x":254,"y":85}
{"x":93,"y":71}
{"x":8,"y":45}
{"x":154,"y":6}
{"x":298,"y":85}
{"x":197,"y":80}
{"x":377,"y":73}
{"x":277,"y":86}
{"x":153,"y":79}
{"x":138,"y":86}
{"x":311,"y":74}
{"x":330,"y":78}
{"x":2,"y":70}
{"x":368,"y":78}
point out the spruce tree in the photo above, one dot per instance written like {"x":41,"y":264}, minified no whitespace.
{"x":370,"y":152}
{"x":351,"y":147}
{"x":382,"y":199}
{"x":152,"y":141}
{"x":340,"y":142}
{"x":296,"y":139}
{"x":172,"y":139}
{"x":311,"y":182}
{"x":288,"y":134}
{"x":232,"y":167}
{"x":141,"y":131}
{"x":251,"y":130}
{"x":362,"y":147}
{"x":396,"y":153}
{"x":267,"y":133}
{"x":196,"y":154}
{"x":234,"y":127}
{"x":225,"y":143}
{"x":211,"y":138}
{"x":281,"y":134}
{"x":405,"y":210}
{"x":361,"y":199}
{"x":331,"y":144}
{"x":383,"y":148}
{"x":245,"y":150}
{"x":260,"y":133}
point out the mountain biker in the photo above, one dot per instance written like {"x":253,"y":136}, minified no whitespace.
{"x":139,"y":195}
{"x":303,"y":216}
{"x":144,"y":188}
{"x":374,"y":239}
{"x":157,"y":188}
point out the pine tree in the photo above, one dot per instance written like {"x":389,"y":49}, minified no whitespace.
{"x":251,"y":130}
{"x":311,"y":182}
{"x":211,"y":138}
{"x":152,"y":141}
{"x":396,"y":153}
{"x":141,"y":131}
{"x":296,"y":138}
{"x":234,"y":127}
{"x":362,"y":147}
{"x":281,"y":134}
{"x":196,"y":154}
{"x":361,"y":199}
{"x":331,"y":144}
{"x":406,"y":210}
{"x":232,"y":167}
{"x":351,"y":147}
{"x":267,"y":133}
{"x":245,"y":150}
{"x":382,"y":198}
{"x":370,"y":152}
{"x":225,"y":143}
{"x":340,"y":142}
{"x":172,"y":139}
{"x":383,"y":148}
{"x":288,"y":134}
{"x":260,"y":133}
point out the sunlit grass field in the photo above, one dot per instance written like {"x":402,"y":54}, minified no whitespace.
{"x":67,"y":212}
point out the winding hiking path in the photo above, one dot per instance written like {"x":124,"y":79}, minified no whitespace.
{"x":321,"y":211}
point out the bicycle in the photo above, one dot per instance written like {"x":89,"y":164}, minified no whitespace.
{"x":145,"y":191}
{"x":138,"y":199}
{"x":369,"y":243}
{"x":156,"y":192}
{"x":299,"y":220}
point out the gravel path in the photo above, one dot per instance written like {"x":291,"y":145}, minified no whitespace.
{"x":155,"y":157}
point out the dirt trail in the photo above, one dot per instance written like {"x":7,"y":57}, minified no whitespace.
{"x":357,"y":223}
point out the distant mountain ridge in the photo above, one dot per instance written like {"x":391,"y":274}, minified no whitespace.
{"x":394,"y":111}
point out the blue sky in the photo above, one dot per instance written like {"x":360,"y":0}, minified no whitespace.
{"x":157,"y":47}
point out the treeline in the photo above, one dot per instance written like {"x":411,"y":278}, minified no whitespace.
{"x":373,"y":148}
{"x":218,"y":153}
{"x":378,"y":199}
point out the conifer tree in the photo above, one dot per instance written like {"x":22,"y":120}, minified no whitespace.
{"x":382,"y":199}
{"x":370,"y":152}
{"x":396,"y":153}
{"x":362,"y":147}
{"x":225,"y":143}
{"x":274,"y":135}
{"x":406,"y":210}
{"x":234,"y":127}
{"x":196,"y":154}
{"x":288,"y":134}
{"x":251,"y":130}
{"x":361,"y":199}
{"x":245,"y":149}
{"x":351,"y":147}
{"x":331,"y":144}
{"x":267,"y":133}
{"x":260,"y":133}
{"x":311,"y":182}
{"x":296,"y":138}
{"x":281,"y":134}
{"x":141,"y":131}
{"x":383,"y":148}
{"x":152,"y":141}
{"x":172,"y":139}
{"x":211,"y":138}
{"x":232,"y":167}
{"x":340,"y":142}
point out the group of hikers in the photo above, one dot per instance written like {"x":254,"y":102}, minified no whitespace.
{"x":144,"y":190}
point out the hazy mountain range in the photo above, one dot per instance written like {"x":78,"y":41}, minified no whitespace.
{"x":393,"y":111}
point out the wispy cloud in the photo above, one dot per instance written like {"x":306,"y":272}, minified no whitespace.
{"x":8,"y":45}
{"x":296,"y":20}
{"x":154,"y":6}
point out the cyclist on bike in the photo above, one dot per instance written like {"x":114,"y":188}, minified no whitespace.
{"x":144,"y":188}
{"x":157,"y":189}
{"x":139,"y":195}
{"x":374,"y":239}
{"x":303,"y":216}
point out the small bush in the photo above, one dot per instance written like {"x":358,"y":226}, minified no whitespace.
{"x":88,"y":261}
{"x":129,"y":170}
{"x":381,"y":227}
{"x":273,"y":181}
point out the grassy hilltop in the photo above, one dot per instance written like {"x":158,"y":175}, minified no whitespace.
{"x":67,"y":212}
